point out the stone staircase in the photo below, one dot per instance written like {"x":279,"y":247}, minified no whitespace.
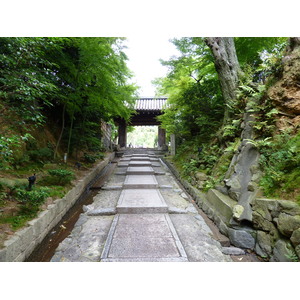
{"x":142,"y":229}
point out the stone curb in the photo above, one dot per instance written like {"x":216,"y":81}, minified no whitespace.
{"x":24,"y":241}
{"x":200,"y":199}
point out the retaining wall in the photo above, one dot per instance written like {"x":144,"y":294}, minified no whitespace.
{"x":275,"y":229}
{"x":25,"y":240}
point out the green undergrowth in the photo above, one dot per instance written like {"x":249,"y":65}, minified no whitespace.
{"x":211,"y":160}
{"x":18,"y":204}
{"x":27,"y":206}
{"x":280,"y":163}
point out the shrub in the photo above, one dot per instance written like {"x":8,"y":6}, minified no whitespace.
{"x":30,"y":204}
{"x":40,"y":155}
{"x":59,"y":177}
{"x":91,"y":158}
{"x":280,"y":161}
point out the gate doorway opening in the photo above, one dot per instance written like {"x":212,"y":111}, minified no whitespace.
{"x":143,"y":137}
{"x":146,"y":112}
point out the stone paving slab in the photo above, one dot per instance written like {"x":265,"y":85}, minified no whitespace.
{"x":86,"y":241}
{"x":140,"y":182}
{"x":140,"y":158}
{"x":141,"y":230}
{"x":140,"y":171}
{"x":197,"y":239}
{"x":143,"y":237}
{"x":137,"y":155}
{"x":141,"y":201}
{"x":138,"y":163}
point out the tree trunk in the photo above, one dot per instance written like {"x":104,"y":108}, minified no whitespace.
{"x":227,"y":66}
{"x":294,"y":42}
{"x":70,"y":133}
{"x":61,"y":133}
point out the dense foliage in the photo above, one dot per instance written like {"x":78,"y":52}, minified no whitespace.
{"x":70,"y":83}
{"x":196,"y":109}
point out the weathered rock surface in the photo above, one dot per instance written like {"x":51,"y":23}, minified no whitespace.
{"x":265,"y":243}
{"x":287,"y":224}
{"x":237,"y":211}
{"x":295,"y":238}
{"x":242,"y":238}
{"x":233,"y":251}
{"x":285,"y":92}
{"x":224,"y":204}
{"x":283,"y":251}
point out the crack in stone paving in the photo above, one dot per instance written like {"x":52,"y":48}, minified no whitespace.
{"x":141,"y":215}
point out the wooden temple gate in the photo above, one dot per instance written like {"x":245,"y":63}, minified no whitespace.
{"x":147,"y":110}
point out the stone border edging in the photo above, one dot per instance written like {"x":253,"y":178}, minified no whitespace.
{"x":24,"y":241}
{"x":200,"y":199}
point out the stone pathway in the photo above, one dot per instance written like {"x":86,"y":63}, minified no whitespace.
{"x":141,"y":214}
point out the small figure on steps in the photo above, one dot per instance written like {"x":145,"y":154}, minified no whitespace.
{"x":31,"y":181}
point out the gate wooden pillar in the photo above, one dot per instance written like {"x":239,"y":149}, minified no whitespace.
{"x":122,"y":134}
{"x":161,"y":138}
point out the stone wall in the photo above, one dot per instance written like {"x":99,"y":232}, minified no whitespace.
{"x":278,"y":229}
{"x":24,"y":241}
{"x":274,"y":232}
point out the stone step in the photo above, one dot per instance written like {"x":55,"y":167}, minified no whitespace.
{"x":140,"y":158}
{"x":140,"y":182}
{"x":141,"y":201}
{"x":137,"y":163}
{"x":143,"y":237}
{"x":137,"y":155}
{"x":140,"y":171}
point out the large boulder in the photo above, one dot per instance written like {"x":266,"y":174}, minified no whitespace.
{"x":287,"y":224}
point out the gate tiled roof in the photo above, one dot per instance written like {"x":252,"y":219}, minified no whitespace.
{"x":146,"y":104}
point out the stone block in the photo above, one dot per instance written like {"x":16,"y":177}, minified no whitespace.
{"x":20,"y":257}
{"x":222,"y":204}
{"x":288,"y":207}
{"x":237,"y":211}
{"x":260,"y":222}
{"x":259,"y":251}
{"x":295,"y":238}
{"x":143,"y":237}
{"x":137,"y":163}
{"x":140,"y":158}
{"x":242,"y":238}
{"x":287,"y":224}
{"x":12,"y":246}
{"x":60,"y":204}
{"x":39,"y":225}
{"x":102,"y":212}
{"x":30,"y":248}
{"x":3,"y":255}
{"x":141,"y":201}
{"x":233,"y":251}
{"x":265,"y":242}
{"x":26,"y":236}
{"x":264,"y":207}
{"x":140,"y":171}
{"x":140,"y":182}
{"x":283,"y":251}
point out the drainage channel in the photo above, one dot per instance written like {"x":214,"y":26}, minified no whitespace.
{"x":45,"y":251}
